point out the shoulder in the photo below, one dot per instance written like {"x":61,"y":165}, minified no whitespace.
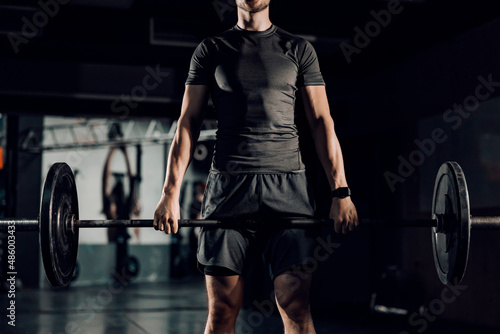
{"x":212,"y":43}
{"x":298,"y":42}
{"x":222,"y":36}
{"x":284,"y":34}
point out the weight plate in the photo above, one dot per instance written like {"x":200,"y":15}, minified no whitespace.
{"x":59,"y":243}
{"x":451,"y":248}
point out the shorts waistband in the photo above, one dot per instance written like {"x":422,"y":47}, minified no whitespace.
{"x":253,"y":172}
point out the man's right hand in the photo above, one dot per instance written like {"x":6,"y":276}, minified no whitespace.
{"x":167,"y":214}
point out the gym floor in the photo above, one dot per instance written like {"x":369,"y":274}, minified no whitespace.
{"x":176,"y":307}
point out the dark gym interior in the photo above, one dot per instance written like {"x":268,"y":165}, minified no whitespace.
{"x":411,"y":84}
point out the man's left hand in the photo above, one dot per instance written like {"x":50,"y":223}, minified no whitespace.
{"x":344,"y":214}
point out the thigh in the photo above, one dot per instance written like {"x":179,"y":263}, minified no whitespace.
{"x":227,"y":196}
{"x":287,"y":195}
{"x":227,"y":248}
{"x":224,"y":291}
{"x":290,"y":250}
{"x":293,"y":288}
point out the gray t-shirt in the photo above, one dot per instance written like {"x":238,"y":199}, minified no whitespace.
{"x":253,"y":77}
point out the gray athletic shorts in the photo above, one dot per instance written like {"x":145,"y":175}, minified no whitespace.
{"x":254,"y":196}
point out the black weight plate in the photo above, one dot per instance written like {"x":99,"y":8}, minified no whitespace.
{"x":451,"y":248}
{"x":59,"y":243}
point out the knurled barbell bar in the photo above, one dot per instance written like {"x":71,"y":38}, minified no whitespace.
{"x":58,"y":224}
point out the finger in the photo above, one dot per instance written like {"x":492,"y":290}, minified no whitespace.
{"x":351,"y":225}
{"x":175,"y":226}
{"x":337,"y":226}
{"x":355,"y":222}
{"x":156,"y":223}
{"x":168,"y":226}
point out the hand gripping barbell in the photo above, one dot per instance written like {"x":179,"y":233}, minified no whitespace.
{"x":58,"y":224}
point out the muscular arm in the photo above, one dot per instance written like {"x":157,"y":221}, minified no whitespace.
{"x":329,"y":152}
{"x":188,"y":130}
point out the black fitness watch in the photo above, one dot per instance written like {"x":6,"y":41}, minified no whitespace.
{"x":341,"y":192}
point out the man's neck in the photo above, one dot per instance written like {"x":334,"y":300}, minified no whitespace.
{"x":254,"y":21}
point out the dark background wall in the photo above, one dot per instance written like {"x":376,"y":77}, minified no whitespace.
{"x":392,"y":108}
{"x":395,"y":90}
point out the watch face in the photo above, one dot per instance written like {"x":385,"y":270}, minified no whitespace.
{"x":341,"y":192}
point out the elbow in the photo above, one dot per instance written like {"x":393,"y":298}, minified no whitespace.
{"x":323,"y":123}
{"x":187,"y":128}
{"x":189,"y":123}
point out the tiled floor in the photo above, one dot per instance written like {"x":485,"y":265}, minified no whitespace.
{"x":173,"y":307}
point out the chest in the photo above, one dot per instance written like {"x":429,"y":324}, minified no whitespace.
{"x":255,"y":65}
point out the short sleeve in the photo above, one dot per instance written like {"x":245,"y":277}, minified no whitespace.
{"x":309,"y":71}
{"x":200,"y":66}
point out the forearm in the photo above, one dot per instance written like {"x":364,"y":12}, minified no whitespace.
{"x":180,"y":154}
{"x":329,"y":151}
{"x":185,"y":138}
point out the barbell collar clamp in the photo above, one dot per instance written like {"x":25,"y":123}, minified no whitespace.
{"x":70,"y":223}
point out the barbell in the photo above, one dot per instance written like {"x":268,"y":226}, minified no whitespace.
{"x":58,"y":224}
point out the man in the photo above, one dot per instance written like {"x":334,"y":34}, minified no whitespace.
{"x":118,"y":205}
{"x":252,"y":72}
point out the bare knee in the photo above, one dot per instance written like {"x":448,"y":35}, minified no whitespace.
{"x":295,"y":309}
{"x":221,"y":312}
